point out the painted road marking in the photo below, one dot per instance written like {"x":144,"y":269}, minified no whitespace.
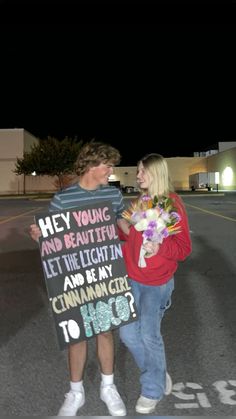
{"x":193,"y":396}
{"x":20,"y":215}
{"x":211,"y":212}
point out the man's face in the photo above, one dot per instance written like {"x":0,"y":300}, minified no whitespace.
{"x":102,"y":172}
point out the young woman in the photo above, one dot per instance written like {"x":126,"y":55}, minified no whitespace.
{"x":151,"y":265}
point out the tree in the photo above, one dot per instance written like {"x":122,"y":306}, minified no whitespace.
{"x":50,"y":157}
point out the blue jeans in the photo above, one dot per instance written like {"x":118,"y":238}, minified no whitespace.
{"x":143,"y":337}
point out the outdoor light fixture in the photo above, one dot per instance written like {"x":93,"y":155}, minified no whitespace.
{"x":227,"y":176}
{"x":217,"y":180}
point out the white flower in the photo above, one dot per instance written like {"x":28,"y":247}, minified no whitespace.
{"x":160,"y":224}
{"x":142,"y":225}
{"x":150,"y":215}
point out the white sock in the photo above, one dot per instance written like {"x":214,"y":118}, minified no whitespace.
{"x":107,"y":380}
{"x":76,"y":385}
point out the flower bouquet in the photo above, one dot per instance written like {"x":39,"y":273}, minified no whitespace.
{"x":157,"y":219}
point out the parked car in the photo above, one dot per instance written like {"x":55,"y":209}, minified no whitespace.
{"x":129,"y":189}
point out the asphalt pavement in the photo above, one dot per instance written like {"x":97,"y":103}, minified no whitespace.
{"x":199,"y":329}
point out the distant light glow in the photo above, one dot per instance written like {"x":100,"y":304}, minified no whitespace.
{"x":227,"y":176}
{"x":34,"y":173}
{"x":112,"y":177}
{"x":217,"y":178}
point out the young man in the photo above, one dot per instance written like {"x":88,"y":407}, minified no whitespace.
{"x":94,"y":165}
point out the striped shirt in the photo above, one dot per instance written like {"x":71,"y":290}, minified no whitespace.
{"x":75,"y":196}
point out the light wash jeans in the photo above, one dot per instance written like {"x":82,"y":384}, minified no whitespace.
{"x":143,"y":337}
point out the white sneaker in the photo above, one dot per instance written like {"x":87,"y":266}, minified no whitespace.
{"x":73,"y":401}
{"x":111,"y":397}
{"x":145,"y":405}
{"x":168,"y":389}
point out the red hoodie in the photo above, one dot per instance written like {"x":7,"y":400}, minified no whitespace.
{"x":161,"y":267}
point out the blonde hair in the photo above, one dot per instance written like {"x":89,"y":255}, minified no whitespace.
{"x":157,"y":170}
{"x":94,"y":153}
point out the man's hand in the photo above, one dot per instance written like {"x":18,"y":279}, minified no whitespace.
{"x":35,"y":232}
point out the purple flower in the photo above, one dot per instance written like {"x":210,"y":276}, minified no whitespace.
{"x":165,"y":233}
{"x":152,"y":224}
{"x":165,"y":215}
{"x":157,"y":237}
{"x":136,"y":217}
{"x":146,"y":198}
{"x":175,"y":216}
{"x":148,"y":234}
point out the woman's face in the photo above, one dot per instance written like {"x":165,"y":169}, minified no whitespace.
{"x":143,"y":179}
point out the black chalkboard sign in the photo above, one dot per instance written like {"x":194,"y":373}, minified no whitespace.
{"x":84,"y":271}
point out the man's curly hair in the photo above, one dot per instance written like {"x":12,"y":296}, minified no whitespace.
{"x":94,"y":153}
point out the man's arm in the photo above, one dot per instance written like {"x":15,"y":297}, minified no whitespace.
{"x":123,"y":225}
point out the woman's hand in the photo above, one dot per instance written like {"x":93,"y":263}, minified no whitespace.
{"x":35,"y":232}
{"x":151,"y":248}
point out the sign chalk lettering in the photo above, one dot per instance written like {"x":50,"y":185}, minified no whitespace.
{"x":85,"y":274}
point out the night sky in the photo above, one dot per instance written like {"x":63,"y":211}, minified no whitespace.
{"x":155,"y":84}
